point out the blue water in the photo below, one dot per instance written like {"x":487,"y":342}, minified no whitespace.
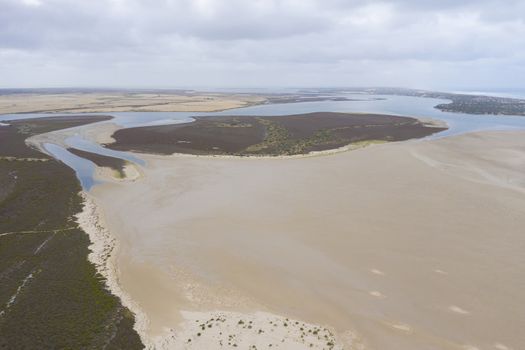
{"x":80,"y":143}
{"x":399,"y":105}
{"x":84,"y":169}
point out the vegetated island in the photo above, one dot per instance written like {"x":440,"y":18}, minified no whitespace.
{"x":51,"y":296}
{"x":270,"y":135}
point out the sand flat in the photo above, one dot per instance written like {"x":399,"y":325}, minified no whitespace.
{"x":106,"y":102}
{"x":434,"y":228}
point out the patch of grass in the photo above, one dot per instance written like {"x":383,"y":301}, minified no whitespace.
{"x":276,"y":138}
{"x":233,"y":123}
{"x":278,"y":141}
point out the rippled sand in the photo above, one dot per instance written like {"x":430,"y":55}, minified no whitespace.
{"x":414,"y":245}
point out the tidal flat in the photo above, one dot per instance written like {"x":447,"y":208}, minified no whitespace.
{"x":397,"y":246}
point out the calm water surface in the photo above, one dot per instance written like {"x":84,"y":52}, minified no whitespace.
{"x":84,"y":169}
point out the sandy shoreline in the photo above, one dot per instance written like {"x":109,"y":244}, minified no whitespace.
{"x":169,"y":263}
{"x":104,"y":248}
{"x":201,"y":330}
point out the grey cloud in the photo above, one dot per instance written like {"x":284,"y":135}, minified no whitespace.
{"x":273,"y":42}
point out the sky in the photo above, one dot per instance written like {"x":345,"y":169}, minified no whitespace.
{"x":445,"y":44}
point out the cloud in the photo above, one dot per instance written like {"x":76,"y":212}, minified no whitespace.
{"x":261,"y":42}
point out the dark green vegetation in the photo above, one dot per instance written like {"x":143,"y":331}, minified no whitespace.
{"x":51,"y":297}
{"x":282,"y":135}
{"x":116,"y":164}
{"x":483,"y":105}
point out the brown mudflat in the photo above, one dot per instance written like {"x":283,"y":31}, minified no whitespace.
{"x":275,"y":135}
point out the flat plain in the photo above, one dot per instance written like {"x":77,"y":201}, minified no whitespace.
{"x":117,"y":101}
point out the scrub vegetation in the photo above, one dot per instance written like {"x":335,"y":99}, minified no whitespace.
{"x":270,"y":136}
{"x":51,"y":296}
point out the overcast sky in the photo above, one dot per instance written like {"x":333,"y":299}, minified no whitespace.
{"x":442,"y":44}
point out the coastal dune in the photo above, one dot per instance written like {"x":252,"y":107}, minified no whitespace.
{"x":410,"y":245}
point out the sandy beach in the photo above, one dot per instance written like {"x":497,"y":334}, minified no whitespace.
{"x":410,"y":245}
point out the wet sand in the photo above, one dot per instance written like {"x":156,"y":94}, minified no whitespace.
{"x":411,"y":245}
